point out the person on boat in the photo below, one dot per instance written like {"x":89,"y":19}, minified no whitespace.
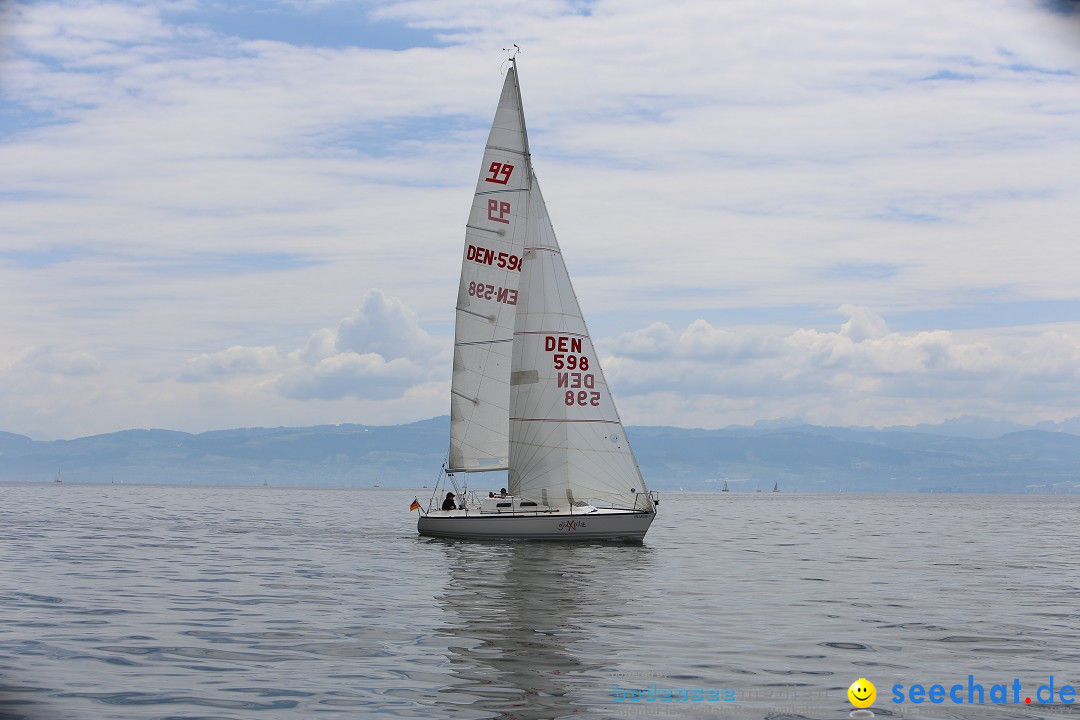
{"x":502,"y":492}
{"x":448,"y":503}
{"x":491,"y":494}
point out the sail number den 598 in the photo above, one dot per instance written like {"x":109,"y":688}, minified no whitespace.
{"x":501,"y":260}
{"x":570,"y":358}
{"x":487,"y":292}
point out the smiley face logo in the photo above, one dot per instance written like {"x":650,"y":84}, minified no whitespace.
{"x":862,"y":693}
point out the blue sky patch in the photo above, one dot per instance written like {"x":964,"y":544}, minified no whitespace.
{"x":228,"y":263}
{"x":336,"y":25}
{"x":860,"y":271}
{"x":409,"y":135}
{"x":16,"y":117}
{"x":37,"y":258}
{"x":989,"y":314}
{"x":950,"y":75}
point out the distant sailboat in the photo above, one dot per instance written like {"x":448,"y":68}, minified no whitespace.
{"x":725,"y":488}
{"x":776,"y":487}
{"x":58,"y":478}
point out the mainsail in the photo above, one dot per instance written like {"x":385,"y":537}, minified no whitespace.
{"x":488,"y":293}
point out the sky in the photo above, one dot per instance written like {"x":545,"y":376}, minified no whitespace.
{"x":229,"y":214}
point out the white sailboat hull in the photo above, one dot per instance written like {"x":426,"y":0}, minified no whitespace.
{"x":599,"y":524}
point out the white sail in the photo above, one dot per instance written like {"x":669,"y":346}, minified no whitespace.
{"x":567,"y":444}
{"x":488,"y":293}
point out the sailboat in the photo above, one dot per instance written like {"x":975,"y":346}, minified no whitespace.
{"x":776,"y":487}
{"x":58,"y":478}
{"x":725,"y":488}
{"x":528,"y":397}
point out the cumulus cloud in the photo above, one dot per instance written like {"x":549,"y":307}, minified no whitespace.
{"x":387,"y":327}
{"x":698,"y":340}
{"x":379,"y":352}
{"x":60,"y":361}
{"x":349,"y":374}
{"x":236,"y":360}
{"x":859,"y":373}
{"x":862,"y":324}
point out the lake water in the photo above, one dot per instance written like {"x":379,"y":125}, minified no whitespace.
{"x":122,"y":601}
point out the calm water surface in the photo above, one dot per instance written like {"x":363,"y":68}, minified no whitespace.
{"x":122,"y":601}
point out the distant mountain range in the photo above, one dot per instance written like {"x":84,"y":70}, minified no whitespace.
{"x":964,"y":455}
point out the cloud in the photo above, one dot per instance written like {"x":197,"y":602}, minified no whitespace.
{"x":862,"y":324}
{"x":387,"y":327}
{"x":861,"y":369}
{"x":379,"y":352}
{"x":349,"y":374}
{"x":236,"y":360}
{"x":59,"y":361}
{"x":699,"y":340}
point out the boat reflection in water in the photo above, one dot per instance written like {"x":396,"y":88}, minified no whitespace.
{"x":536,"y":627}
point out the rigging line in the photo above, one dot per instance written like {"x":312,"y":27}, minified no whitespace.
{"x":551,"y":332}
{"x":482,"y":342}
{"x":521,"y":116}
{"x":499,"y":231}
{"x":512,"y":151}
{"x":501,"y":190}
{"x":563,"y":420}
{"x":489,"y":318}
